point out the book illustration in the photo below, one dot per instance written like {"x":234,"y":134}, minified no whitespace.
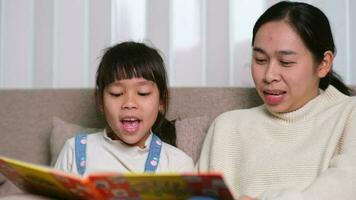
{"x":131,"y":186}
{"x":45,"y":181}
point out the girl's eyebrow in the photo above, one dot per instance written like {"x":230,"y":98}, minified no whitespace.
{"x":139,"y":83}
{"x":145,"y":82}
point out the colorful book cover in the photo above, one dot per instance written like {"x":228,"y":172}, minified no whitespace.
{"x":131,"y":186}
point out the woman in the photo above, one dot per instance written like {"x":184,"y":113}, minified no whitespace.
{"x":301,"y":143}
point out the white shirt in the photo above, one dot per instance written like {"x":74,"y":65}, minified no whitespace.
{"x":105,"y":154}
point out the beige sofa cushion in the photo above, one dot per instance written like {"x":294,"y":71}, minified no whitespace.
{"x":190,"y":135}
{"x":2,"y":179}
{"x":63,"y":130}
{"x":185,"y":128}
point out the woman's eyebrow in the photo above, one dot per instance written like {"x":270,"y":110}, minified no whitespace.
{"x":281,"y":52}
{"x":259,"y":50}
{"x":286,"y":52}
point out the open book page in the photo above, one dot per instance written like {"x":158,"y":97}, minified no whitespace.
{"x":144,"y":186}
{"x":45,"y":181}
{"x":160,"y":186}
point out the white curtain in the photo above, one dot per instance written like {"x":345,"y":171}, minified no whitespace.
{"x":58,"y":43}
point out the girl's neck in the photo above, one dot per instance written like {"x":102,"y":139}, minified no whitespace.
{"x":111,"y":134}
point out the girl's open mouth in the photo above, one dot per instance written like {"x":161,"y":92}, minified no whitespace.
{"x":130,"y":124}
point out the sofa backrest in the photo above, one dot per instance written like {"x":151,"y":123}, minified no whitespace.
{"x":26,"y":114}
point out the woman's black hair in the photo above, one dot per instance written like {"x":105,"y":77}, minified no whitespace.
{"x":133,"y":59}
{"x":312,"y":25}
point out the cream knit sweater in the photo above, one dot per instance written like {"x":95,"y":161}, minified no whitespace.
{"x":308,"y":154}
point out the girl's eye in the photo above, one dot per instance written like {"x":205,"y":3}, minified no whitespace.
{"x":115,"y":94}
{"x":144,"y":93}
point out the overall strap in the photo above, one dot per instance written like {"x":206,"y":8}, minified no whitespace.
{"x":80,"y":152}
{"x":153,"y":154}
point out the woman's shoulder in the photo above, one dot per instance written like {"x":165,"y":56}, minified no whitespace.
{"x":240,"y":114}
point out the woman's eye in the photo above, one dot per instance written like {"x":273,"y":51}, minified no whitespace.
{"x":286,"y":63}
{"x":260,"y":61}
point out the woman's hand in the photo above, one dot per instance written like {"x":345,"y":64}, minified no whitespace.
{"x":243,"y":197}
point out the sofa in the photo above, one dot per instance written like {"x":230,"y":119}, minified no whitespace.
{"x":35,"y":122}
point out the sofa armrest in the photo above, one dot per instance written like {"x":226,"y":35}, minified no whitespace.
{"x":7,"y":188}
{"x":24,"y":197}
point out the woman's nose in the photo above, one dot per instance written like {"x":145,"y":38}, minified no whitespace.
{"x":272,"y":73}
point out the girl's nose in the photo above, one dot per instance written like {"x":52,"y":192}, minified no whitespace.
{"x":129,"y":102}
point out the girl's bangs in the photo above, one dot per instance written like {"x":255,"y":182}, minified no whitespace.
{"x":133,"y":71}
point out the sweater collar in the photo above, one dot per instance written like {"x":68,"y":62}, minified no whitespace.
{"x":312,"y":107}
{"x":126,"y":149}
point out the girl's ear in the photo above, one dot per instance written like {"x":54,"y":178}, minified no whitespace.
{"x":326,"y":64}
{"x":101,"y":109}
{"x":161,"y":107}
{"x":99,"y":100}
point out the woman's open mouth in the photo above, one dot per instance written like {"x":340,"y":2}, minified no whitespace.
{"x":273,"y":97}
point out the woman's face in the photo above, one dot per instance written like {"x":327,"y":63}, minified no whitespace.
{"x":283,"y":69}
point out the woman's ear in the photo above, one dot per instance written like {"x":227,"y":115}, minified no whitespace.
{"x":326,"y":64}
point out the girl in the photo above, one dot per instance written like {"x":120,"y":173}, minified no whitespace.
{"x":301,"y":143}
{"x":131,"y":90}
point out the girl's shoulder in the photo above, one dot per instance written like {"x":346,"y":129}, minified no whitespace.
{"x":174,"y":152}
{"x":176,"y":159}
{"x":96,"y":135}
{"x":89,"y":137}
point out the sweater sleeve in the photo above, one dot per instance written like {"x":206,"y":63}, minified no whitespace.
{"x":338,"y":181}
{"x":204,"y":161}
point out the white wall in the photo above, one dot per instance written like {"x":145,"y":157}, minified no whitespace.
{"x":58,"y":43}
{"x":52,"y":44}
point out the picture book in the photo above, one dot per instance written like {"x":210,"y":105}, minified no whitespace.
{"x":54,"y":183}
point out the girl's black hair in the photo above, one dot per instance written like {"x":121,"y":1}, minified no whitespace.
{"x":132,"y":59}
{"x":313,"y":27}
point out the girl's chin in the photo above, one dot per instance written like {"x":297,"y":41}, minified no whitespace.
{"x":133,"y":138}
{"x":126,"y":137}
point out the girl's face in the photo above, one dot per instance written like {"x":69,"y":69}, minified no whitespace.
{"x":131,"y":107}
{"x":283,"y":69}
